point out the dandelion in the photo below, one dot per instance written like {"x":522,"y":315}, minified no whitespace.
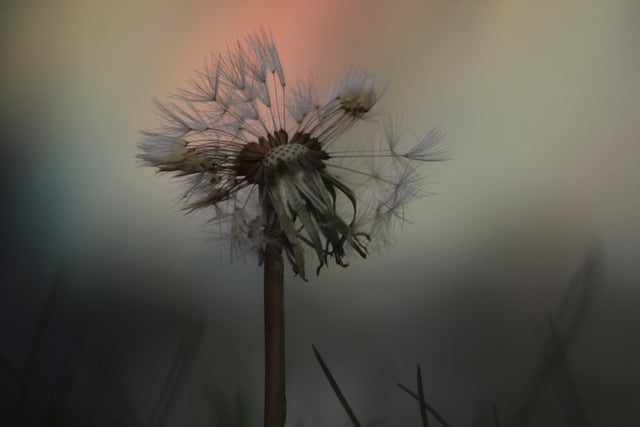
{"x":264,"y":157}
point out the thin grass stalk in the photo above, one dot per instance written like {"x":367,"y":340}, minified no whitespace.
{"x":423,"y":409}
{"x":571,"y":314}
{"x":274,"y":391}
{"x":336,"y":388}
{"x":575,"y":412}
{"x":430,"y":408}
{"x":43,"y":320}
{"x":123,"y":412}
{"x":180,"y":365}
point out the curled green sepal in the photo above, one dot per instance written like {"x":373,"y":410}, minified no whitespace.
{"x":277,"y":195}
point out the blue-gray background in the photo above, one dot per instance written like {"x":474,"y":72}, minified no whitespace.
{"x":540,"y":102}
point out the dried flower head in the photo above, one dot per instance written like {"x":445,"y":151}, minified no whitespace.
{"x":261,"y":155}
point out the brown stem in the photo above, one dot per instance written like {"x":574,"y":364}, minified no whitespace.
{"x":274,"y":395}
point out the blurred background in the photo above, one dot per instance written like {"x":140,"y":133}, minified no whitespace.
{"x":118,"y":309}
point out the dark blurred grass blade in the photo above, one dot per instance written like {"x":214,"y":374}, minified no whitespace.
{"x":220,"y":406}
{"x":242,"y":410}
{"x":228,"y":413}
{"x":572,"y":310}
{"x":180,"y":366}
{"x":336,"y":389}
{"x":436,"y":415}
{"x":423,"y":409}
{"x":5,"y":360}
{"x":42,"y":321}
{"x":111,"y":421}
{"x":59,"y":400}
{"x":580,"y":293}
{"x":124,"y":415}
{"x":21,"y":382}
{"x":565,"y":385}
{"x":377,"y":422}
{"x":496,"y":419}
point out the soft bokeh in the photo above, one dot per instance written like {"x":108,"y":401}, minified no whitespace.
{"x":540,"y":102}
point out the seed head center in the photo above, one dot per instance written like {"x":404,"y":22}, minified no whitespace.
{"x":276,"y":154}
{"x":287,"y":154}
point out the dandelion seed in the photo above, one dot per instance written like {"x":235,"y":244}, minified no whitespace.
{"x":267,"y":157}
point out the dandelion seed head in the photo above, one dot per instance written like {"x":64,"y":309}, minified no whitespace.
{"x":356,"y":92}
{"x":267,"y":161}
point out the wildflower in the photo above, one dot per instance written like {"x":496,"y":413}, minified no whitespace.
{"x":261,"y":154}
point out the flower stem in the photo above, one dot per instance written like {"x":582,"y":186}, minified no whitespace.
{"x":274,"y":394}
